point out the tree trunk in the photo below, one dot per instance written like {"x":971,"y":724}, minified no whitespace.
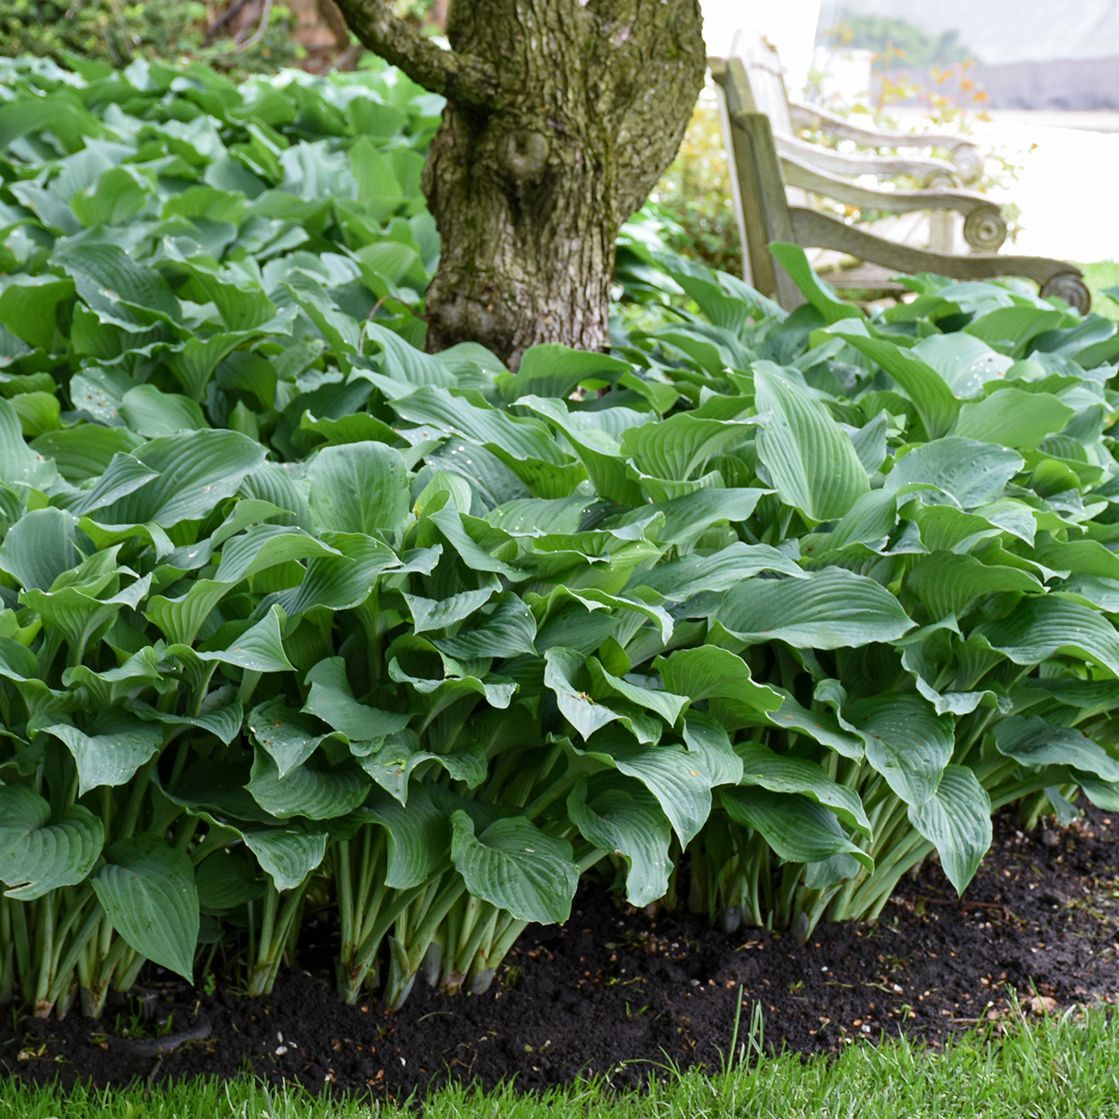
{"x":561,"y":116}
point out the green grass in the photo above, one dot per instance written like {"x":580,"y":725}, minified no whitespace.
{"x":1100,"y":276}
{"x":1064,"y":1067}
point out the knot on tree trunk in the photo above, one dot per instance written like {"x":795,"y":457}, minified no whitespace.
{"x":525,"y":153}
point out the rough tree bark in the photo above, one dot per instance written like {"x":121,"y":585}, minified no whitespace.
{"x":561,"y":116}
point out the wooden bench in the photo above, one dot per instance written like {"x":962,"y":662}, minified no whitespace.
{"x":773,"y":196}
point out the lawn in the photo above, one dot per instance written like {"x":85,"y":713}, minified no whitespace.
{"x":1056,"y":1067}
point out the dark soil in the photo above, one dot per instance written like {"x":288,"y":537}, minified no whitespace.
{"x":617,"y":992}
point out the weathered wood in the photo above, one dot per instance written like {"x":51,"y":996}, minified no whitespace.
{"x":880,"y":166}
{"x":816,"y":230}
{"x":768,"y":215}
{"x":967,"y":161}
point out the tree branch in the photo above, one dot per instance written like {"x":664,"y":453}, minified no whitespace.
{"x":442,"y":71}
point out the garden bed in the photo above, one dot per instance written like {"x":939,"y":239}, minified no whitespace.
{"x":617,"y":994}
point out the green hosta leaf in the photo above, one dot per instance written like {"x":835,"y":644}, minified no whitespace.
{"x":113,"y":284}
{"x":1013,"y":418}
{"x":331,"y":700}
{"x":708,"y":742}
{"x":965,"y":363}
{"x":316,"y":794}
{"x":681,"y":446}
{"x":220,"y":715}
{"x":511,"y":439}
{"x":150,"y":412}
{"x":676,"y":777}
{"x":687,"y":518}
{"x":708,"y":672}
{"x":39,"y":547}
{"x":1081,"y":557}
{"x":112,"y":755}
{"x":798,"y":829}
{"x":391,"y":764}
{"x":972,"y":473}
{"x":359,"y":487}
{"x":821,"y":726}
{"x":418,"y":836}
{"x":288,"y":854}
{"x":147,"y":891}
{"x":287,"y":736}
{"x":28,"y":305}
{"x":193,"y":472}
{"x":181,"y":619}
{"x":265,"y":546}
{"x":507,"y":631}
{"x":783,"y":773}
{"x":691,"y":575}
{"x":1035,"y":742}
{"x":38,"y":855}
{"x":956,"y":820}
{"x":555,"y":370}
{"x":948,"y":583}
{"x":818,"y":293}
{"x":438,"y":613}
{"x":934,"y":401}
{"x":259,"y":648}
{"x":810,"y":460}
{"x":642,"y":691}
{"x":1039,"y":628}
{"x":561,"y":666}
{"x":18,"y":462}
{"x":346,"y":581}
{"x":830,"y":609}
{"x":627,"y":822}
{"x":906,"y":742}
{"x":1010,"y":328}
{"x":225,"y":881}
{"x":516,"y":867}
{"x":452,"y":527}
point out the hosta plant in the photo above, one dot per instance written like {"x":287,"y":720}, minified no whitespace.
{"x":300,"y":622}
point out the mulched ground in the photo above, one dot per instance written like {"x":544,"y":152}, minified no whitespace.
{"x":616,"y":992}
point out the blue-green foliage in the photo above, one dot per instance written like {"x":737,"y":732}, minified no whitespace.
{"x":296,"y":614}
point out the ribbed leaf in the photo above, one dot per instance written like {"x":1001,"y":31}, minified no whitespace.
{"x":288,"y":854}
{"x":288,"y":736}
{"x":331,"y":700}
{"x":627,"y":822}
{"x":114,"y":754}
{"x":359,"y":487}
{"x":831,"y":609}
{"x":1035,"y":742}
{"x":516,"y":867}
{"x":315,"y":794}
{"x":783,"y":773}
{"x":418,"y":836}
{"x":934,"y":401}
{"x":798,"y":829}
{"x":950,"y":583}
{"x":38,"y":856}
{"x":193,"y":472}
{"x":147,"y":891}
{"x":956,"y":820}
{"x":906,"y":742}
{"x":970,"y":472}
{"x":39,"y":547}
{"x":1013,"y":418}
{"x":809,"y":459}
{"x":1039,"y":628}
